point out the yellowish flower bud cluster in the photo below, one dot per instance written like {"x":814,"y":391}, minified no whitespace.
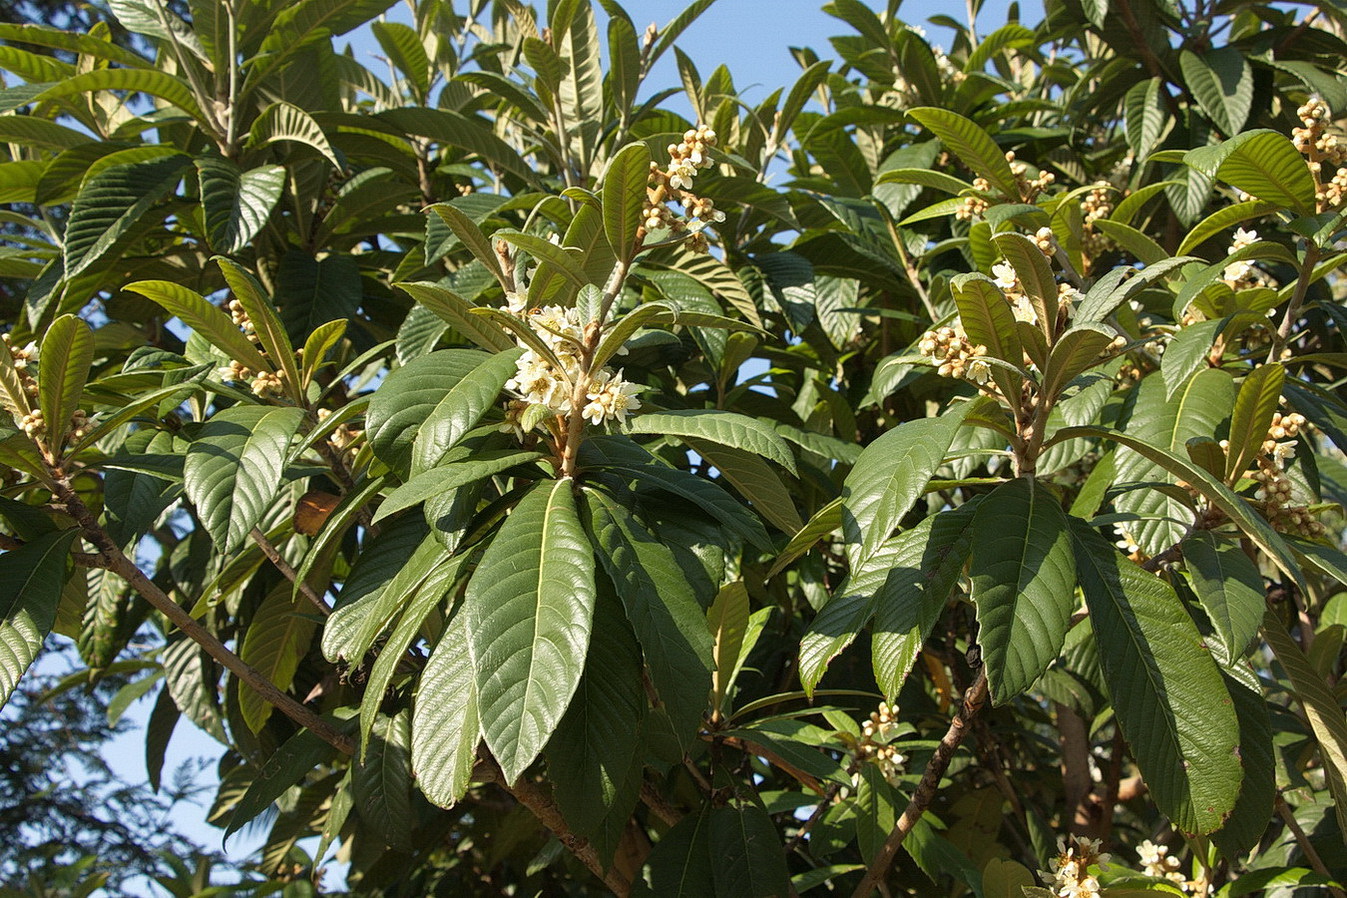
{"x":1069,"y":870}
{"x":973,"y":206}
{"x":266,"y":384}
{"x":1243,"y":274}
{"x":1046,"y":241}
{"x":1324,"y":152}
{"x":33,"y":424}
{"x":955,"y":356}
{"x":1029,"y":186}
{"x":873,"y":747}
{"x":675,"y":183}
{"x":241,"y":319}
{"x":344,"y":436}
{"x":21,"y":356}
{"x":1275,"y":488}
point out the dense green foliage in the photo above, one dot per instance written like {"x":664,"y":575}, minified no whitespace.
{"x":533,"y":496}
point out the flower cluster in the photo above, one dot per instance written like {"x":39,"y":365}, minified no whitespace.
{"x":1319,"y":148}
{"x":1069,"y":870}
{"x":549,"y":380}
{"x":955,"y":356}
{"x":1009,"y":282}
{"x":685,"y":159}
{"x":1029,"y":187}
{"x":263,"y":384}
{"x":1097,"y":204}
{"x":1158,"y":862}
{"x":1275,"y":488}
{"x":1046,"y":241}
{"x":1243,"y":274}
{"x":873,"y":747}
{"x":974,"y":205}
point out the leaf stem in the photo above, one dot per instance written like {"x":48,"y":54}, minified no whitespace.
{"x":1297,"y":302}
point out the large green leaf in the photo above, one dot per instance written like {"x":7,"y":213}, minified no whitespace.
{"x":1229,"y":586}
{"x":235,"y":469}
{"x":1222,"y":83}
{"x":1074,"y":352}
{"x":726,"y":428}
{"x":402,"y":548}
{"x":1035,"y":276}
{"x":455,"y":311}
{"x":66,"y":354}
{"x":382,"y":781}
{"x":1321,"y":707}
{"x":662,"y":607}
{"x":207,"y":319}
{"x":926,"y":566}
{"x":415,"y":606}
{"x":1216,"y":492}
{"x":527,"y":611}
{"x":33,"y":576}
{"x":1251,"y":418}
{"x":680,"y":864}
{"x":111,"y":202}
{"x":1246,"y":824}
{"x":594,"y":758}
{"x":974,"y":146}
{"x":889,"y":476}
{"x":237,"y":203}
{"x":407,"y":398}
{"x":310,"y":292}
{"x":1264,"y":164}
{"x":624,"y":196}
{"x":446,"y":727}
{"x":748,"y":859}
{"x":155,"y":82}
{"x":706,"y":495}
{"x":299,"y":756}
{"x":1024,"y":583}
{"x":461,"y":408}
{"x":276,"y":640}
{"x":755,"y":480}
{"x":1167,"y":691}
{"x":475,"y":466}
{"x":1145,"y":117}
{"x":1196,"y":409}
{"x":283,"y":121}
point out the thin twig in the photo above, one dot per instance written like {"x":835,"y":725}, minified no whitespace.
{"x":83,"y":559}
{"x":287,"y":571}
{"x":1306,"y":846}
{"x":828,"y":798}
{"x":974,"y":698}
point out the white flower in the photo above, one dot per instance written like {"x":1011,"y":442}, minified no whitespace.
{"x":1006,"y":278}
{"x":515,"y":303}
{"x":681,"y":175}
{"x":610,"y":397}
{"x":1242,"y":239}
{"x":1283,"y":452}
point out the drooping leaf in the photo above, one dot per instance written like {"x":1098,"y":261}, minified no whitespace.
{"x":974,"y":146}
{"x":275,"y":642}
{"x":437,"y":481}
{"x":266,"y":322}
{"x":282,"y":121}
{"x":408,"y":397}
{"x":1187,"y":353}
{"x":1321,"y":707}
{"x":527,"y":611}
{"x":204,"y":317}
{"x":237,"y":203}
{"x":749,"y":861}
{"x":1228,"y":585}
{"x":381,"y":783}
{"x":889,"y":476}
{"x":461,"y":407}
{"x":755,"y":480}
{"x":595,"y":757}
{"x":401,"y":549}
{"x":1221,"y":81}
{"x":446,"y":727}
{"x":1167,"y":692}
{"x":66,"y":355}
{"x":662,"y":608}
{"x":703,"y":493}
{"x":111,"y":202}
{"x":624,"y":196}
{"x":1023,"y":584}
{"x":1265,"y":165}
{"x":1251,"y":417}
{"x":235,"y":467}
{"x":1244,"y":828}
{"x":33,"y":576}
{"x":311,"y":292}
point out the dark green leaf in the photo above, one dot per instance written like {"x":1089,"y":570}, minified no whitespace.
{"x":624,"y":196}
{"x":33,"y":576}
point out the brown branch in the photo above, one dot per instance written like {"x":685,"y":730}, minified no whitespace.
{"x":1306,"y":846}
{"x":819,"y":810}
{"x":119,"y":564}
{"x":83,"y":559}
{"x":541,"y":805}
{"x":289,"y":572}
{"x":652,"y":798}
{"x":974,"y":698}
